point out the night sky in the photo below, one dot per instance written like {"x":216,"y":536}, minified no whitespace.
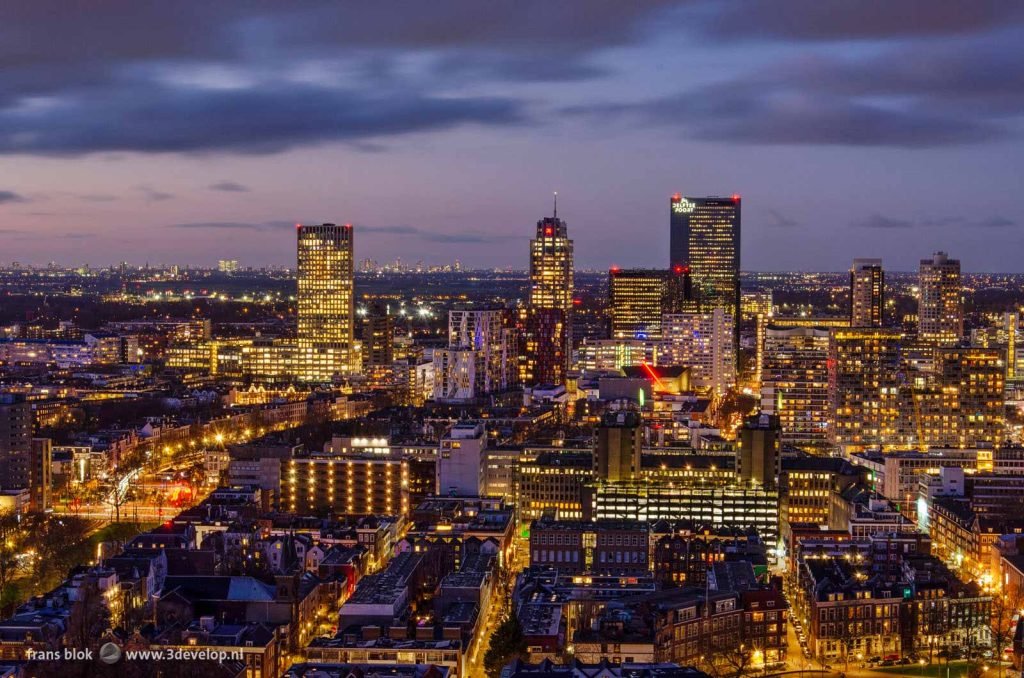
{"x":183,"y":132}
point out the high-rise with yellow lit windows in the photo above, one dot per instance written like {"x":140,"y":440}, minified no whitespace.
{"x":548,"y":321}
{"x":940,"y":312}
{"x":326,"y":301}
{"x":863,"y":369}
{"x":867,"y":293}
{"x":704,"y":244}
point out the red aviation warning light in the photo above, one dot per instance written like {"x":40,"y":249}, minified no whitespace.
{"x":548,"y":230}
{"x":676,"y":197}
{"x":614,"y":270}
{"x":735,"y":197}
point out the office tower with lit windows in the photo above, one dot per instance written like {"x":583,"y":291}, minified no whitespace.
{"x":705,"y":241}
{"x":547,"y":321}
{"x":704,"y":342}
{"x":867,"y":293}
{"x":794,"y":384}
{"x":325,"y":300}
{"x":863,"y":387}
{"x":637,"y":298}
{"x":940,"y":312}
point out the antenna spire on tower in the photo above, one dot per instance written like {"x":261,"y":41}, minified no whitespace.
{"x":555,"y":215}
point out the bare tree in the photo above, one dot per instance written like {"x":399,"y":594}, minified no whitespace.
{"x":1003,"y":624}
{"x":119,"y":493}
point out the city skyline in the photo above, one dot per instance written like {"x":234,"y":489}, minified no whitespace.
{"x":840,"y":125}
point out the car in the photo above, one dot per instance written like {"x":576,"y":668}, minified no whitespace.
{"x":876,"y":659}
{"x":904,"y":661}
{"x":888,"y":662}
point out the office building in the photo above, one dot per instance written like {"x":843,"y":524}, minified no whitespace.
{"x":940,"y":312}
{"x":325,"y":302}
{"x":636,"y":300}
{"x":754,"y":304}
{"x":553,"y":481}
{"x":460,"y":464}
{"x":863,"y":387}
{"x":704,"y":342}
{"x":619,"y":442}
{"x":549,"y":325}
{"x":705,"y":242}
{"x":730,"y":506}
{"x":794,"y":383}
{"x":867,"y":293}
{"x":759,"y":452}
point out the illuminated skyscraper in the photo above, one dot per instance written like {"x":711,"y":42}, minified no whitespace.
{"x":794,"y":383}
{"x":867,"y":293}
{"x":940,"y":313}
{"x":326,"y":300}
{"x":863,"y":387}
{"x":705,"y":241}
{"x":637,"y":299}
{"x":548,"y":322}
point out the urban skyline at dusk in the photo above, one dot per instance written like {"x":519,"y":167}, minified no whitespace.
{"x":533,"y":339}
{"x":848,"y":130}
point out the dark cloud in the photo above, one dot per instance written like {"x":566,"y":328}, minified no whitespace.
{"x":275,"y":224}
{"x":194,"y":76}
{"x":779,"y":220}
{"x":151,"y":194}
{"x":229,"y":187}
{"x":391,"y":230}
{"x":198,"y":76}
{"x":465,"y":237}
{"x":996,"y":222}
{"x":879,"y":221}
{"x":7,"y":197}
{"x":97,"y":197}
{"x":831,"y":20}
{"x":150,"y":117}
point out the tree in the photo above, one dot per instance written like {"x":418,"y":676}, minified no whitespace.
{"x":1005,"y":606}
{"x":120,"y":490}
{"x":11,"y":536}
{"x":726,"y":656}
{"x":507,"y":644}
{"x":62,"y":545}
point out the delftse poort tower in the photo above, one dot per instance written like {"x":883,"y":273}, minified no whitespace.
{"x":704,"y":242}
